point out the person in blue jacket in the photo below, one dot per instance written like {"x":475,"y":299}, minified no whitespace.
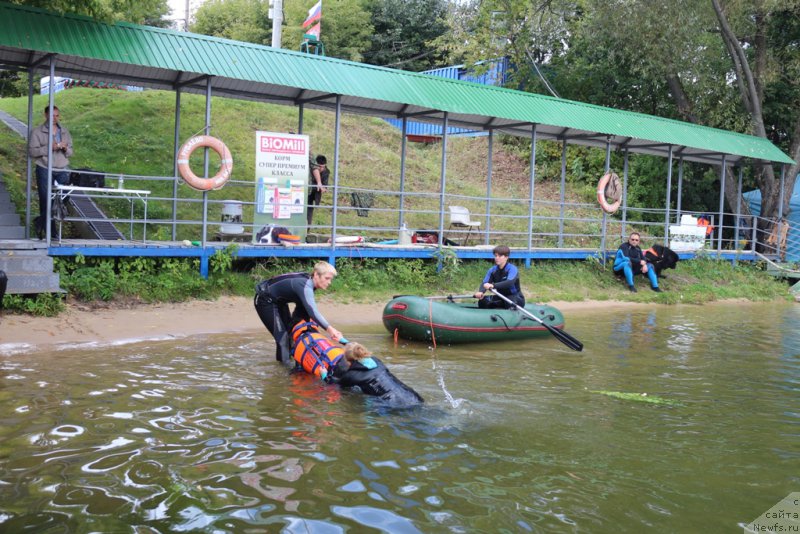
{"x":503,"y":277}
{"x":631,"y":260}
{"x":272,"y":301}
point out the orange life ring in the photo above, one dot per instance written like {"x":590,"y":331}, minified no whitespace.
{"x":225,"y":166}
{"x":607,"y":178}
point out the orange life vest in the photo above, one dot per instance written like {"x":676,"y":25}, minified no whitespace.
{"x":702,"y":221}
{"x":313,"y":351}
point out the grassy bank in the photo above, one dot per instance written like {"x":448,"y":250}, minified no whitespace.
{"x":132,"y":281}
{"x":132,"y":133}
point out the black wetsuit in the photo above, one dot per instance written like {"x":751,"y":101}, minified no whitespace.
{"x":272,"y":305}
{"x":505,"y":282}
{"x":378,"y":382}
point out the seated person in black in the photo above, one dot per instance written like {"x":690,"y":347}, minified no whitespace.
{"x":630,"y":260}
{"x":272,"y":305}
{"x":359,"y":368}
{"x":504,"y":278}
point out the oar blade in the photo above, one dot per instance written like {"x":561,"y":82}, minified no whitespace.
{"x":565,"y":338}
{"x":560,"y":335}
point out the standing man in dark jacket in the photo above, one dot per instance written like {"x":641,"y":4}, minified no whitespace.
{"x":319,"y":174}
{"x":272,"y":301}
{"x":61,"y":151}
{"x":631,"y":260}
{"x":503,"y":277}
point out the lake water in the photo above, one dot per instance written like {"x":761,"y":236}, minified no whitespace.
{"x":211,"y":434}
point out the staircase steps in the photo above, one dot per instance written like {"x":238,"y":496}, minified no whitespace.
{"x":84,"y":207}
{"x":29,"y":271}
{"x":25,"y":261}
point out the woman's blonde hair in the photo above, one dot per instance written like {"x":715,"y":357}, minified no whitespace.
{"x":323,"y":267}
{"x":356,"y":351}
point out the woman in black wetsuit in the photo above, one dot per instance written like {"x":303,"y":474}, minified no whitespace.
{"x":360,"y":368}
{"x":272,"y":305}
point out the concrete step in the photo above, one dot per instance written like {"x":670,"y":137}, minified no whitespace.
{"x":12,"y":232}
{"x":7,"y":206}
{"x":23,"y":244}
{"x":9,"y":219}
{"x":29,"y":270}
{"x":12,"y":261}
{"x":24,"y":283}
{"x":5,"y":196}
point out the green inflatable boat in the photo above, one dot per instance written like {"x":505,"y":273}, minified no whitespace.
{"x":422,"y":319}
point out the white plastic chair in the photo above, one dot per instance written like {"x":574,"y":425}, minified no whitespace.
{"x":460,"y":218}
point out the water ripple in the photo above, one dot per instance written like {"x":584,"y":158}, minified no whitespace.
{"x":212,"y":435}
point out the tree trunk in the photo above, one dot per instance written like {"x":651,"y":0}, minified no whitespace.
{"x":750,"y":89}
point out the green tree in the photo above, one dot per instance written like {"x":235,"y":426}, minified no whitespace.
{"x":530,"y":33}
{"x":730,"y":64}
{"x":13,"y":83}
{"x":149,"y":12}
{"x":762,"y":39}
{"x":241,"y":20}
{"x":346,"y":27}
{"x":403,"y":30}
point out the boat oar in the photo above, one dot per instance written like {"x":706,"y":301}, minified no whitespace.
{"x":560,"y":335}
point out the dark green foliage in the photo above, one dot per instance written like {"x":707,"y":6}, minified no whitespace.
{"x":149,"y":12}
{"x":13,"y":83}
{"x":241,"y":20}
{"x":402,"y":30}
{"x":43,"y":304}
{"x":95,"y":281}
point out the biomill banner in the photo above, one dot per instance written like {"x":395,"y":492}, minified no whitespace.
{"x":281,"y":182}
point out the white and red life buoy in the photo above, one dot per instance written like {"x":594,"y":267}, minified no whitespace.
{"x":613,"y":192}
{"x":225,"y":166}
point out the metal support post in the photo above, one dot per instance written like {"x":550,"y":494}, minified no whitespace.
{"x":443,"y":178}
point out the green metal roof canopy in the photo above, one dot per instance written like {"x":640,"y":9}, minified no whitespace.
{"x":166,"y":59}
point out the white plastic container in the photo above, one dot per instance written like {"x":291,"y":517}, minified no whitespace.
{"x":405,"y":236}
{"x":687,"y":237}
{"x":231,"y":217}
{"x":688,"y":220}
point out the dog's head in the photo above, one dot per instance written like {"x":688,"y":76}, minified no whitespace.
{"x":264,"y":235}
{"x":269,"y":234}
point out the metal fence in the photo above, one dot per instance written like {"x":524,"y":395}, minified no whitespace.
{"x":377,"y":216}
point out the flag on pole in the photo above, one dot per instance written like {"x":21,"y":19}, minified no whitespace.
{"x":314,"y":15}
{"x":314,"y":30}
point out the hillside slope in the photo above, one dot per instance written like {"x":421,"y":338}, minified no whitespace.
{"x":132,"y":133}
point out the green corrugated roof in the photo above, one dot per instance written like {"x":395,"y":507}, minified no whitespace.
{"x":159,"y":58}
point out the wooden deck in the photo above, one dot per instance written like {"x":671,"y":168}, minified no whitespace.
{"x":133,"y":248}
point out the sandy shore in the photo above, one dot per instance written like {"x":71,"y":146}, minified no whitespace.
{"x":80,"y":324}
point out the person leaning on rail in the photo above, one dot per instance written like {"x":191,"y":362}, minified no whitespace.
{"x":318,"y":177}
{"x":37,"y":150}
{"x":272,"y":301}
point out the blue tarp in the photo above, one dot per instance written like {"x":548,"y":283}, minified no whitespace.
{"x":497,"y":74}
{"x":753,"y":198}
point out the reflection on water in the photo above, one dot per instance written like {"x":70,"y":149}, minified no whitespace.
{"x":212,"y":435}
